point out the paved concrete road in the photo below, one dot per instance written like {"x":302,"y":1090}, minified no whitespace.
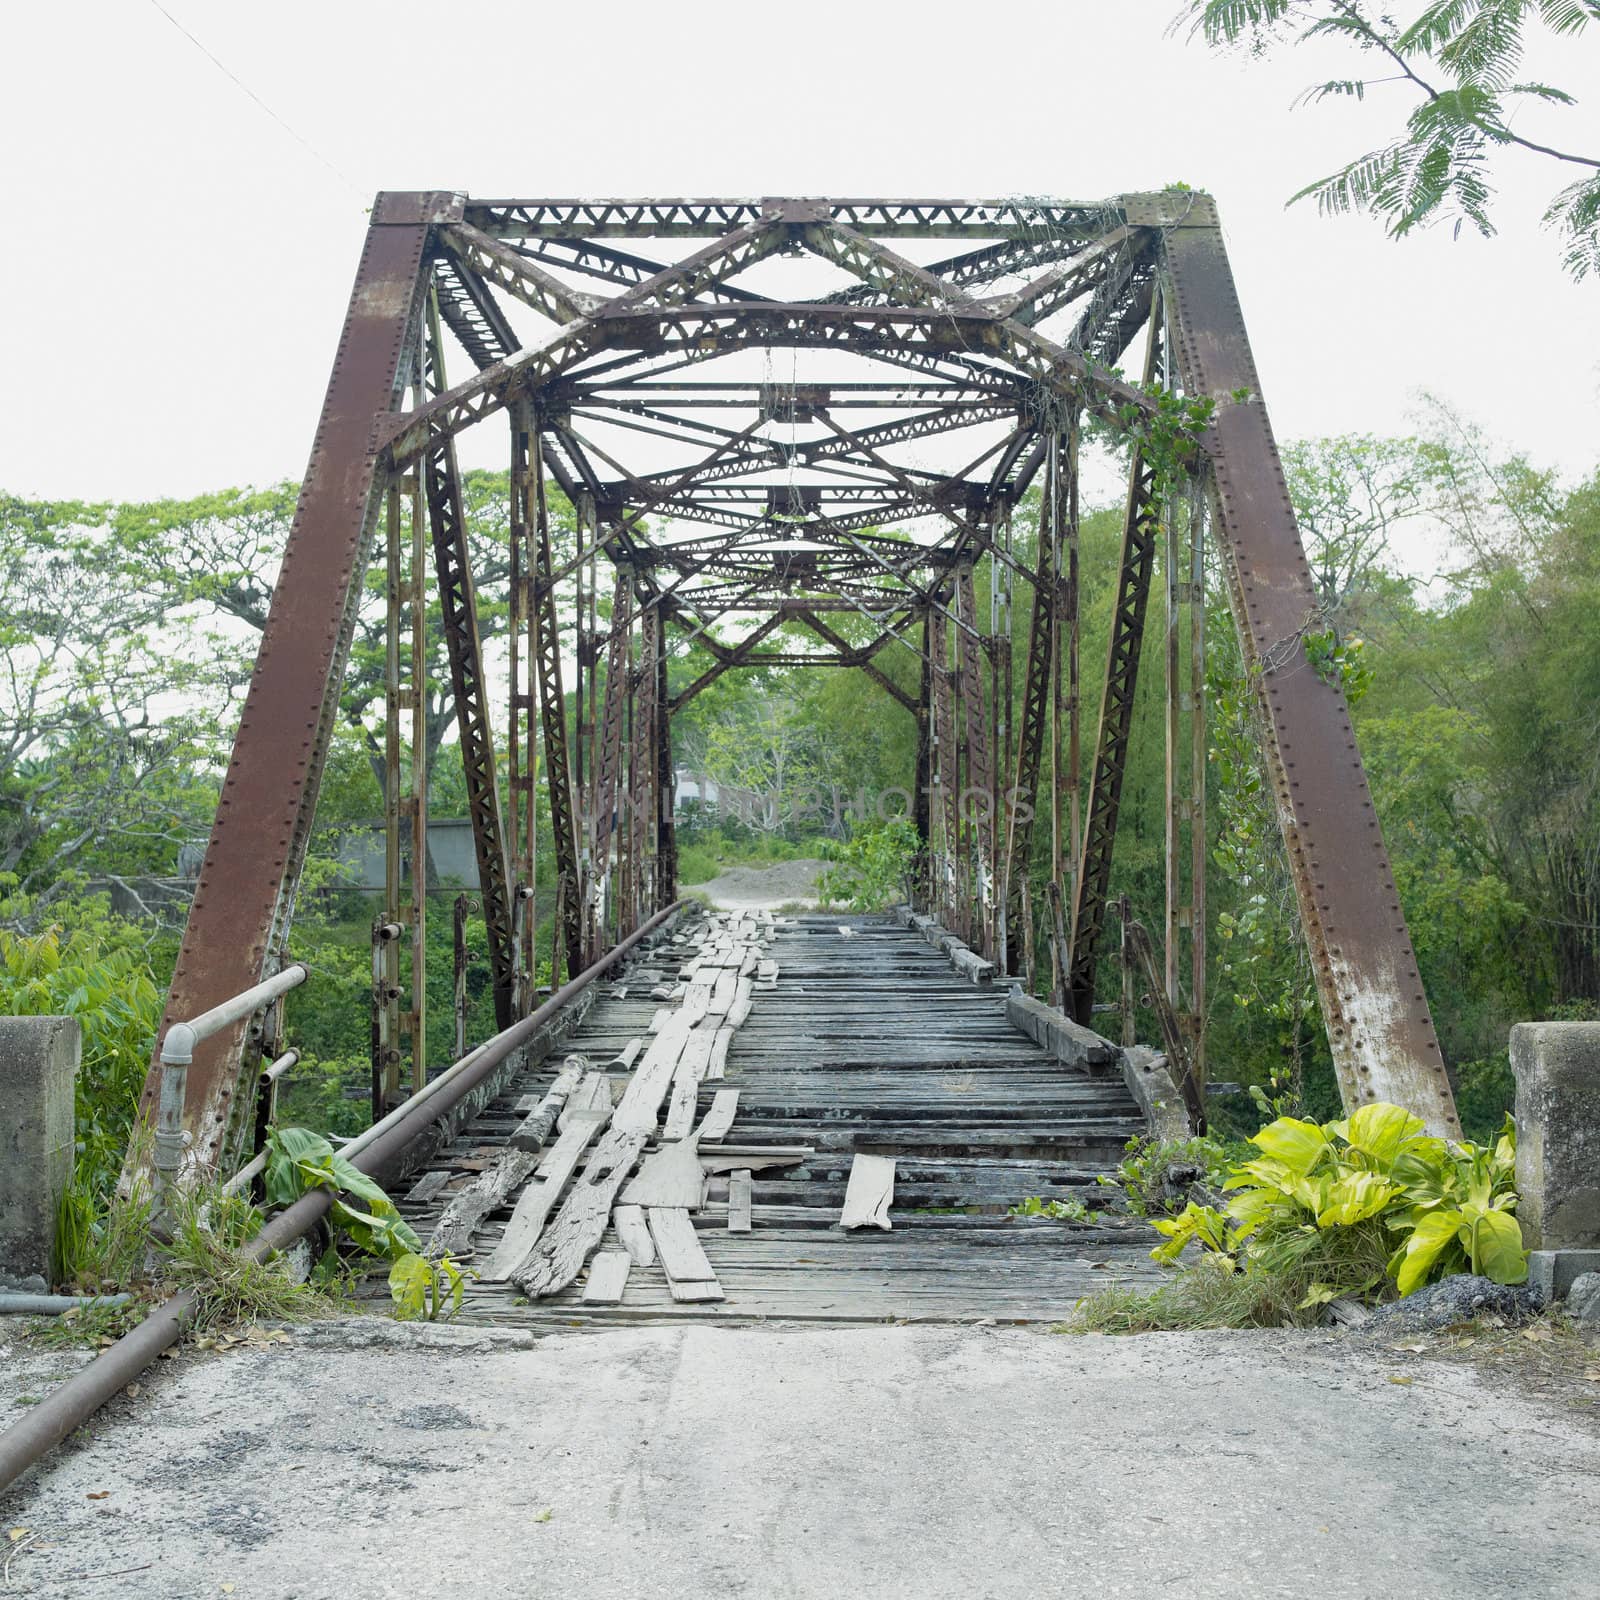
{"x":916,"y":1462}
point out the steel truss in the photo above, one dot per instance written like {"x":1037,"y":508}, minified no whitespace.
{"x":953,"y":349}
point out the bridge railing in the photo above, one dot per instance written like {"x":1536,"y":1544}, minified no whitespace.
{"x":177,"y":1053}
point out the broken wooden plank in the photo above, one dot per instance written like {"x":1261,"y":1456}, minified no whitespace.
{"x":452,"y":1234}
{"x":537,"y":1200}
{"x":671,"y":1177}
{"x":718,"y":1065}
{"x":740,"y":1009}
{"x":580,"y":1225}
{"x":739,"y":1201}
{"x":869,"y":1194}
{"x":532,"y":1132}
{"x":633,"y":1233}
{"x":695,"y":1291}
{"x":677,"y":1246}
{"x":428,"y":1185}
{"x":724,"y":1160}
{"x":627,"y":1055}
{"x":592,"y":1094}
{"x":686,"y":1084}
{"x":608,"y":1277}
{"x":640,"y":1106}
{"x":719,"y":1119}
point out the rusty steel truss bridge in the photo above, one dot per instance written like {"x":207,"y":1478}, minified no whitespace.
{"x":776,"y":419}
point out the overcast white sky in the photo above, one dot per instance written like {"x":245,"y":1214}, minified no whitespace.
{"x":179,"y":264}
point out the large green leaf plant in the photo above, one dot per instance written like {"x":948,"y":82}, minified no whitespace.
{"x":1361,"y":1200}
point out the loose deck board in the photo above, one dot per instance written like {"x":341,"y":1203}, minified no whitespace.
{"x":870,"y":1193}
{"x":608,"y":1278}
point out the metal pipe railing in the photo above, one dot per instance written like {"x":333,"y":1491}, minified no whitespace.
{"x":177,"y":1052}
{"x":71,"y":1405}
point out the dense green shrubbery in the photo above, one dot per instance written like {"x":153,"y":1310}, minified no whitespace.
{"x":1349,"y":1205}
{"x":872,"y":868}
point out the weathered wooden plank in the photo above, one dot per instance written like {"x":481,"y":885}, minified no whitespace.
{"x":740,"y":1009}
{"x":671,"y":1177}
{"x":677,"y":1246}
{"x":711,"y":1290}
{"x":633,"y":1232}
{"x":427,"y":1186}
{"x":640,"y":1106}
{"x":453,"y":1232}
{"x":691,"y":1069}
{"x":580,"y":1225}
{"x":719,"y":1119}
{"x":592,"y":1094}
{"x":870,"y":1193}
{"x":608,"y":1277}
{"x":726,"y":1160}
{"x":538,"y":1199}
{"x":724,"y":994}
{"x":718,"y":1064}
{"x":739,"y":1201}
{"x":627,"y":1055}
{"x":535,"y":1128}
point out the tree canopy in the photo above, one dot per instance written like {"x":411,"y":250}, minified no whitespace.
{"x":1459,"y":62}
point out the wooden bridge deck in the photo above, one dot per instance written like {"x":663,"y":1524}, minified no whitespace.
{"x":870,"y":1043}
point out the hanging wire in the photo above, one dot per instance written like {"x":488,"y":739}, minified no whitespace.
{"x":238,"y":82}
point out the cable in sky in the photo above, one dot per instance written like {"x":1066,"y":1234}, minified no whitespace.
{"x":228,"y":73}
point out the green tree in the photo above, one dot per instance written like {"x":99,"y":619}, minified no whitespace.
{"x":1460,"y":62}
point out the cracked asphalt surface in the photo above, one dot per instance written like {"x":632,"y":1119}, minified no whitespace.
{"x":371,"y":1461}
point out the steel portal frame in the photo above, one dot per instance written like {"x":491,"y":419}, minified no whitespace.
{"x":1006,"y":316}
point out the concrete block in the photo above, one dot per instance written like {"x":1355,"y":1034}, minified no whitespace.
{"x":1065,"y":1039}
{"x":39,"y":1059}
{"x":1557,"y":1067}
{"x":1553,"y":1272}
{"x":1150,"y":1082}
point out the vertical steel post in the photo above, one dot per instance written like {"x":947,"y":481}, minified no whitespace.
{"x":239,"y":920}
{"x":1379,"y":1029}
{"x":452,"y":559}
{"x":553,"y":719}
{"x":1093,"y":879}
{"x":463,"y":902}
{"x":978,"y":801}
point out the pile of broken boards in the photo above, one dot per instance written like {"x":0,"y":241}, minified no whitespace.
{"x":561,"y":1216}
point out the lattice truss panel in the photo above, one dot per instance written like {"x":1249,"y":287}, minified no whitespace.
{"x":793,"y":430}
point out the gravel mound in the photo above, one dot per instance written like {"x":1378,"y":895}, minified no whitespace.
{"x":764,"y":888}
{"x":1453,"y":1300}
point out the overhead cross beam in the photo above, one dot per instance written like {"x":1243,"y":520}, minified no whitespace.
{"x":1012,"y":326}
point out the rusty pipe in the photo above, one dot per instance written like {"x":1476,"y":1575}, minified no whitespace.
{"x":74,"y":1402}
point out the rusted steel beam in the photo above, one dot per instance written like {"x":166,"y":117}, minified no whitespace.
{"x":1093,"y":878}
{"x":699,"y":219}
{"x":609,"y":755}
{"x":553,"y":719}
{"x":1379,"y":1027}
{"x":458,"y":604}
{"x":478,"y":255}
{"x":710,"y":330}
{"x":1038,"y":678}
{"x":848,"y":657}
{"x":946,"y":767}
{"x":977,"y":800}
{"x":239,"y":920}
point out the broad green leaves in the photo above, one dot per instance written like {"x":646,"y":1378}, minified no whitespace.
{"x":1446,"y":1207}
{"x":298,"y":1160}
{"x":424,"y":1289}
